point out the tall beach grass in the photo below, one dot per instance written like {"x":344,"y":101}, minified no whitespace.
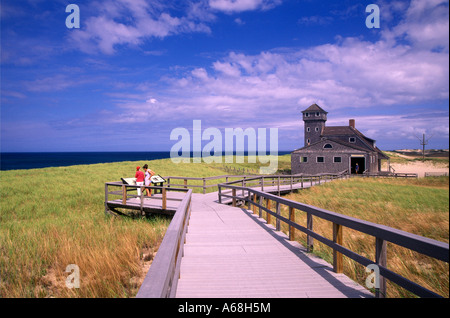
{"x":53,"y":217}
{"x":418,"y":206}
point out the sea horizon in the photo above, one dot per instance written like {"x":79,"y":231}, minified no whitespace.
{"x":36,"y":160}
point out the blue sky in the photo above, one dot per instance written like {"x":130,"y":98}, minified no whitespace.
{"x":137,"y":69}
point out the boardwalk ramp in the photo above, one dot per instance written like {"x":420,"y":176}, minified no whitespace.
{"x":231,"y":253}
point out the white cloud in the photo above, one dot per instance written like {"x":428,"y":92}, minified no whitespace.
{"x":230,"y":6}
{"x":126,"y":22}
{"x":272,"y":87}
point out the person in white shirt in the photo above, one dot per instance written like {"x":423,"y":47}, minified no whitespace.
{"x":148,"y":174}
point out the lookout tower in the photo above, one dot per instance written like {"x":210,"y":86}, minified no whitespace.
{"x":314,"y":117}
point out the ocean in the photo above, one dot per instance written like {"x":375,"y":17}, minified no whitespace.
{"x":32,"y":160}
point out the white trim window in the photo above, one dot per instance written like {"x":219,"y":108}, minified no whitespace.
{"x":337,"y":159}
{"x":320,"y":159}
{"x":308,"y":129}
{"x":328,"y":146}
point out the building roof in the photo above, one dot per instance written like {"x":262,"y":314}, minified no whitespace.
{"x":349,"y":145}
{"x":370,"y":147}
{"x":343,"y":131}
{"x":314,"y":108}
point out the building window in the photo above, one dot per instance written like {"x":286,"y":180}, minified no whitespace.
{"x":306,"y":114}
{"x":317,"y":114}
{"x":352,"y":139}
{"x":337,"y":159}
{"x":328,"y":146}
{"x":317,"y":128}
{"x":308,"y":141}
{"x":308,"y":129}
{"x":320,"y":159}
{"x":303,"y":159}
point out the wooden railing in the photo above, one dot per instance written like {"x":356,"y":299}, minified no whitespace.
{"x":389,"y":174}
{"x":205,"y":184}
{"x":162,"y":278}
{"x":382,"y":234}
{"x":124,"y":195}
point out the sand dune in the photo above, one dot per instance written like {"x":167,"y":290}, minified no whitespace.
{"x":420,"y":168}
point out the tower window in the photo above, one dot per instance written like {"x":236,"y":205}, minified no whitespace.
{"x":317,"y":129}
{"x":317,"y":114}
{"x":328,"y":146}
{"x":308,"y":141}
{"x":306,"y":114}
{"x":308,"y":129}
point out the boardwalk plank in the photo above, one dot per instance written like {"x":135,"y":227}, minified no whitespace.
{"x":231,"y":253}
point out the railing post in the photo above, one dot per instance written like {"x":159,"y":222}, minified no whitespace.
{"x":380,"y":259}
{"x":278,"y":226}
{"x":262,"y":183}
{"x":220,"y":194}
{"x":233,"y":193}
{"x":185,"y":183}
{"x":142,"y":202}
{"x":291,"y":228}
{"x":260,"y":204}
{"x":254,"y":203}
{"x":309,"y":239}
{"x":268,"y":206}
{"x":106,"y":198}
{"x":124,"y":194}
{"x":204,"y":186}
{"x":338,"y":265}
{"x":164,"y":199}
{"x":279,"y":185}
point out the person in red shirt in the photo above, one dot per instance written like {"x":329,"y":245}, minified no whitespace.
{"x":139,"y":179}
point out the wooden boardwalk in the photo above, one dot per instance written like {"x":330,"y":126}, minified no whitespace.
{"x":231,"y":253}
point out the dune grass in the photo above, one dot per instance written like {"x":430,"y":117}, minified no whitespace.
{"x":53,"y":217}
{"x":418,"y":206}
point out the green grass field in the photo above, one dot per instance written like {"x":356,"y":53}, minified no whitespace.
{"x":53,"y":217}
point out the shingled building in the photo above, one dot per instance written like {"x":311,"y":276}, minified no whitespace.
{"x":334,"y":149}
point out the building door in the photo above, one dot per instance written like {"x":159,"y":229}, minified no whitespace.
{"x":357,"y":161}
